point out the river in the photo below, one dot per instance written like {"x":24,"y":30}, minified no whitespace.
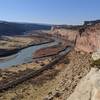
{"x":24,"y":55}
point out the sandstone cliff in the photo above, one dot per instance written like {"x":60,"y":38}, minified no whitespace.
{"x":89,"y":87}
{"x":66,"y":34}
{"x":86,"y":37}
{"x":89,"y":39}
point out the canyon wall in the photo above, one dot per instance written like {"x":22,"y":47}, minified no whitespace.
{"x":89,"y":39}
{"x":66,"y":34}
{"x":86,"y":37}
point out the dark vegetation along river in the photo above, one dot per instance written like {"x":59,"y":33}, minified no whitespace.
{"x":24,"y":55}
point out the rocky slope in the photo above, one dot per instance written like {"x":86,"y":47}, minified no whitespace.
{"x":76,"y":77}
{"x":86,"y":37}
{"x":89,"y":39}
{"x":89,"y":87}
{"x":54,"y":84}
{"x":66,"y":34}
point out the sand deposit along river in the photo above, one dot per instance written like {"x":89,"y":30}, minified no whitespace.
{"x":24,"y":55}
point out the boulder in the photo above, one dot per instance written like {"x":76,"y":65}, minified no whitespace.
{"x":88,"y":88}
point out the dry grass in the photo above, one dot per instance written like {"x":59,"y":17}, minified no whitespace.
{"x":57,"y":83}
{"x":20,"y":42}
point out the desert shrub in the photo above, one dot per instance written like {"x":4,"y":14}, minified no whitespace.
{"x":95,"y":63}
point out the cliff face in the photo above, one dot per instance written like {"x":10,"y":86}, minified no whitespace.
{"x":89,"y":40}
{"x":88,"y":88}
{"x":67,"y":34}
{"x":87,"y":37}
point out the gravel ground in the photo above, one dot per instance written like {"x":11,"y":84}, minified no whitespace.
{"x":54,"y":84}
{"x":78,"y":67}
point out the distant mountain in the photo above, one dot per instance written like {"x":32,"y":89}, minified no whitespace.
{"x":93,"y":22}
{"x":14,"y":28}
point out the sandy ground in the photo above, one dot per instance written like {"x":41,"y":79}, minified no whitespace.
{"x":53,"y":50}
{"x":10,"y":73}
{"x":8,"y":42}
{"x":54,"y":84}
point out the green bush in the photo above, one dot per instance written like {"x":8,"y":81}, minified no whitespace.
{"x":97,"y":62}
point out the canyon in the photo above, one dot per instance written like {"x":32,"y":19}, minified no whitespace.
{"x":64,"y":66}
{"x":86,"y":37}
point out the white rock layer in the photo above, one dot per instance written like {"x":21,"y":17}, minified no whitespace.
{"x":89,"y":87}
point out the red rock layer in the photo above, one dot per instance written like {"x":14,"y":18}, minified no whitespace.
{"x":87,"y":40}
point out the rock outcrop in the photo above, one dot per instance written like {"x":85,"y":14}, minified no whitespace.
{"x":86,"y":37}
{"x":66,"y":34}
{"x":89,"y":39}
{"x":89,"y":87}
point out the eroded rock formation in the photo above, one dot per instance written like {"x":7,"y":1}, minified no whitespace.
{"x":67,"y":34}
{"x":87,"y":37}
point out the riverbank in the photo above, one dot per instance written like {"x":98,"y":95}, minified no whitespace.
{"x":50,"y":51}
{"x":9,"y":82}
{"x":57,"y":83}
{"x":12,"y":45}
